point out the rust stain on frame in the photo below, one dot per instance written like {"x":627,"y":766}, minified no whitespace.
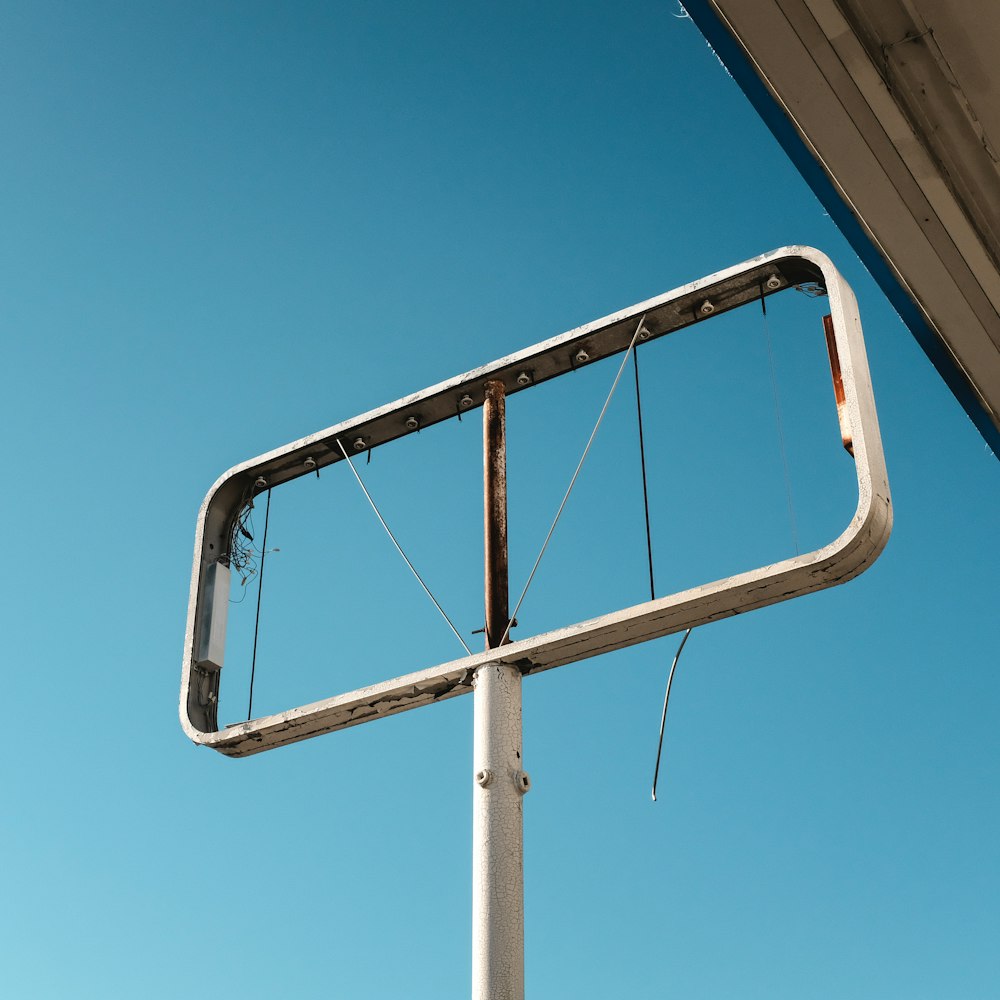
{"x":838,"y":385}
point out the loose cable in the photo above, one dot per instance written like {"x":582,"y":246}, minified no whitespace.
{"x":260,"y":590}
{"x":642,"y":460}
{"x":663,"y":716}
{"x":652,"y":585}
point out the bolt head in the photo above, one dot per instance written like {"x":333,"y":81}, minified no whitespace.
{"x":706,"y":308}
{"x":465,"y":402}
{"x":523,"y":378}
{"x":359,"y":444}
{"x":581,"y":356}
{"x":309,"y":463}
{"x":644,"y":334}
{"x":773,"y":282}
{"x":261,"y":483}
{"x":412,"y":423}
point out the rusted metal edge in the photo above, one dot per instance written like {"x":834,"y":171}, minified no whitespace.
{"x":838,"y":385}
{"x":495,"y":568}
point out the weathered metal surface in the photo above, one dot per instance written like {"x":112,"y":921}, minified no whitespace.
{"x":838,"y":385}
{"x":498,"y":836}
{"x":495,"y":512}
{"x":849,"y":554}
{"x":497,"y":816}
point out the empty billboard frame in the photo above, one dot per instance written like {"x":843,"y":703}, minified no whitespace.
{"x":845,"y":557}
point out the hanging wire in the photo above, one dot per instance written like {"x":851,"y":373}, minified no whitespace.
{"x":645,"y":490}
{"x":652,"y":586}
{"x":260,"y":590}
{"x":399,"y":549}
{"x":663,"y":716}
{"x":241,"y":555}
{"x":572,"y":482}
{"x":781,"y":433}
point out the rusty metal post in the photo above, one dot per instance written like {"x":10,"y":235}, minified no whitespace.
{"x":495,"y":511}
{"x":500,"y":782}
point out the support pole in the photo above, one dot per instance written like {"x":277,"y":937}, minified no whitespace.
{"x":500,"y":782}
{"x":495,"y":511}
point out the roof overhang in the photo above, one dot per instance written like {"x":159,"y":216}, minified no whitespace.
{"x":890,"y":111}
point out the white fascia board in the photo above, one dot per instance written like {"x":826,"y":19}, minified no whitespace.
{"x":917,"y":216}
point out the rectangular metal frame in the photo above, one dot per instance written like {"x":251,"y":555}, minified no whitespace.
{"x":845,"y":557}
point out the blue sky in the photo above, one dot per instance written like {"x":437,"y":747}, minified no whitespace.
{"x":228,"y":225}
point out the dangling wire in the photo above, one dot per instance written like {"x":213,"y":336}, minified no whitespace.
{"x":652,"y":586}
{"x":242,"y":555}
{"x":791,"y":517}
{"x":663,"y":716}
{"x":645,"y":491}
{"x":260,"y":590}
{"x":399,"y":548}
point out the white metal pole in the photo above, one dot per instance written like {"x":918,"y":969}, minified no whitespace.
{"x":500,"y":782}
{"x":497,"y":837}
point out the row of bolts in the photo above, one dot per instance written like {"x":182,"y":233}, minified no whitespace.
{"x":412,"y":423}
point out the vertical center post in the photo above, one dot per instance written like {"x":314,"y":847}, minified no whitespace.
{"x":500,"y":781}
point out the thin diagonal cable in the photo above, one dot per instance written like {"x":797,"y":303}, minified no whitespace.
{"x":399,"y":549}
{"x":260,"y":590}
{"x":781,"y":433}
{"x":645,"y":491}
{"x":663,"y":717}
{"x":572,"y":482}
